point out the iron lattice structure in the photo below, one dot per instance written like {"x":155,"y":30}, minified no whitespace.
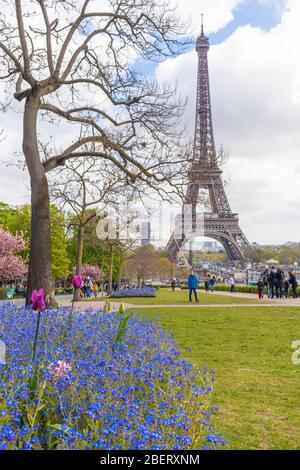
{"x":221,"y":223}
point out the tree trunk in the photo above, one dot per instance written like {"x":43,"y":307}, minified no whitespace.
{"x":120,"y":270}
{"x":40,"y":270}
{"x":77,"y":296}
{"x":110,"y":271}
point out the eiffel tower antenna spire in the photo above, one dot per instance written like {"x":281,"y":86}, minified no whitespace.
{"x":202,"y":24}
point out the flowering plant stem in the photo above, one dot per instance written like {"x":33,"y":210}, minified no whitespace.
{"x":72,"y":309}
{"x":36,"y":335}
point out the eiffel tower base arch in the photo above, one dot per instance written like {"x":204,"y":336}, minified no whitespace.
{"x":224,"y":230}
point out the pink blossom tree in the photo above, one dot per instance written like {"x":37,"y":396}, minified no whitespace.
{"x":94,"y":272}
{"x":11,"y":265}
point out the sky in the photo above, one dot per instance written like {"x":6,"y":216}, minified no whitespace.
{"x":255,"y":87}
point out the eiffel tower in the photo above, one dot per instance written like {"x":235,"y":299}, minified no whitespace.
{"x":221,"y":223}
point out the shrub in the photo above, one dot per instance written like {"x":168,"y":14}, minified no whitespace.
{"x":86,"y":391}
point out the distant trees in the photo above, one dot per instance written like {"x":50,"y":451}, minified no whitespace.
{"x":163,"y":268}
{"x":59,"y":243}
{"x":17,"y":220}
{"x":289,"y":255}
{"x":141,"y":265}
{"x":284,"y":254}
{"x":145,"y":262}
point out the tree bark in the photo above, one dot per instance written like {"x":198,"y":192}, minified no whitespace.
{"x":80,"y":239}
{"x":40,"y":269}
{"x":110,"y":271}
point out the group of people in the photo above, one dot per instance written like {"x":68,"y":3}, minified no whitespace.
{"x":90,"y":288}
{"x":277,"y":283}
{"x":210,"y":283}
{"x":17,"y":289}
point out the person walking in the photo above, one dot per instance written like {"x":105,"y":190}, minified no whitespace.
{"x":232,"y":284}
{"x":212,"y":283}
{"x":265,"y":276}
{"x":193,"y":286}
{"x":279,"y":283}
{"x":206,"y":284}
{"x":272,"y":281}
{"x":286,"y":289}
{"x":173,"y":285}
{"x":85,"y":287}
{"x":261,"y":288}
{"x":294,"y":283}
{"x":95,"y":289}
{"x":88,"y":287}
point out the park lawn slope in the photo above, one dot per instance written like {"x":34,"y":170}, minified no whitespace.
{"x":258,"y":387}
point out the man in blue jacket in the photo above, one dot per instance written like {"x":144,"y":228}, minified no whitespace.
{"x":193,"y":286}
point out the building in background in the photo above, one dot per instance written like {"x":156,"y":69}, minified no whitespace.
{"x":145,"y":233}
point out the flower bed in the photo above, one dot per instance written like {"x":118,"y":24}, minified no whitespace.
{"x":92,"y":393}
{"x":137,"y":292}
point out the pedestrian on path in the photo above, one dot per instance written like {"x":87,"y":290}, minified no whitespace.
{"x":265,"y":276}
{"x":279,"y":283}
{"x":212,"y":283}
{"x":232,"y":284}
{"x":193,"y":286}
{"x":286,"y":289}
{"x":206,"y":283}
{"x":261,"y":288}
{"x":294,"y":283}
{"x":95,"y":289}
{"x":272,"y":281}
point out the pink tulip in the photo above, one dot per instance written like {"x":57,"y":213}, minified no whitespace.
{"x":38,"y":304}
{"x":38,"y":300}
{"x":77,"y":282}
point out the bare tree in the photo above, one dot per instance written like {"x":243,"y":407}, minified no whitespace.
{"x":124,"y":245}
{"x":74,"y":62}
{"x":84,"y":188}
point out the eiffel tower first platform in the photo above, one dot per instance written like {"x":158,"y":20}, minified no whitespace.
{"x":220,"y":223}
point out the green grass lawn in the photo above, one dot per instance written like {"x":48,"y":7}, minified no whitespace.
{"x":258,"y":387}
{"x":181,"y":297}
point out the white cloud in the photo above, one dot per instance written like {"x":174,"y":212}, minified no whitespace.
{"x":218,"y":13}
{"x":255,"y":84}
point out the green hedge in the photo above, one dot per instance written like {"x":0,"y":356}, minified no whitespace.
{"x":240,"y":289}
{"x":225,"y":288}
{"x":61,"y":291}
